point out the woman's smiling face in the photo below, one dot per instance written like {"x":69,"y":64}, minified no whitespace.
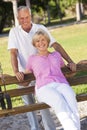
{"x":41,"y":43}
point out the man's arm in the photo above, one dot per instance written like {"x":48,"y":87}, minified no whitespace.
{"x":64,"y":54}
{"x":14,"y":62}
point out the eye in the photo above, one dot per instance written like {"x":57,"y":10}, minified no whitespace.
{"x":37,"y":40}
{"x":21,"y":18}
{"x":43,"y":39}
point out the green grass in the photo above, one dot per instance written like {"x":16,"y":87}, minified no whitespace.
{"x":80,"y":89}
{"x":5,"y":56}
{"x":73,"y":38}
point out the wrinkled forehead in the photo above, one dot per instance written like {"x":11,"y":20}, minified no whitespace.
{"x":23,"y":11}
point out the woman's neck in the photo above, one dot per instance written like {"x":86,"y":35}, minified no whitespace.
{"x":44,"y":53}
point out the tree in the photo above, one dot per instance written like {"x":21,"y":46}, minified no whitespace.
{"x":79,"y":10}
{"x":28,"y":3}
{"x":5,"y":9}
{"x":14,"y":3}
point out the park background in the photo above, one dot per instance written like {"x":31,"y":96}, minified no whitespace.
{"x":66,"y":21}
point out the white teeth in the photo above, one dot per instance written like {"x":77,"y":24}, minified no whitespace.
{"x":42,"y":46}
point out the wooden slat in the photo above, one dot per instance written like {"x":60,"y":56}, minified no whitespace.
{"x":73,"y":80}
{"x":13,"y":80}
{"x":77,"y":80}
{"x":27,"y":90}
{"x":30,"y":77}
{"x":33,"y":107}
{"x":23,"y":109}
{"x":81,"y":97}
{"x":20,"y":92}
{"x":38,"y":106}
{"x":80,"y":67}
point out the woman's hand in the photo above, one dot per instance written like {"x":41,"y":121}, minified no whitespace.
{"x":19,"y":76}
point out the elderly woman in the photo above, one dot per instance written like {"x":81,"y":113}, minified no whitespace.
{"x":51,"y":86}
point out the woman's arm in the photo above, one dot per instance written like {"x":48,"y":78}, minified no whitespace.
{"x":25,"y":83}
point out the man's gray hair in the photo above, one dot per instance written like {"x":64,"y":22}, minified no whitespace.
{"x":24,"y":8}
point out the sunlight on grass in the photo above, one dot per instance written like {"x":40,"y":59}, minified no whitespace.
{"x":5,"y":56}
{"x":73,"y":38}
{"x":80,"y":89}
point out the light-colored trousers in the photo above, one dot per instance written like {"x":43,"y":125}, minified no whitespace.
{"x":62,"y":99}
{"x":45,"y":113}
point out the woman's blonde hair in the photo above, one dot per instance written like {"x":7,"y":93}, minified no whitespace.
{"x":40,"y":32}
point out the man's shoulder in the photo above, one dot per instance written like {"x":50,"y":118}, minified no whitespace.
{"x":38,"y":25}
{"x":15,"y":28}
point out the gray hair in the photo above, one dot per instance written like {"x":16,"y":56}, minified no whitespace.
{"x":40,"y":32}
{"x":24,"y":8}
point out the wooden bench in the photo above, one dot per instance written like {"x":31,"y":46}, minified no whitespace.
{"x":74,"y":81}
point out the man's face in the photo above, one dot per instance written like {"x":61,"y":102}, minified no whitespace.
{"x":24,"y":18}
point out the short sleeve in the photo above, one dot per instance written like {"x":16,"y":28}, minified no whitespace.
{"x":62,"y":62}
{"x":12,"y":40}
{"x":60,"y":59}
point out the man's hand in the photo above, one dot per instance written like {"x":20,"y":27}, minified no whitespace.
{"x":72,"y":66}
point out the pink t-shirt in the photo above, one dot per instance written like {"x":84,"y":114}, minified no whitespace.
{"x":46,"y":69}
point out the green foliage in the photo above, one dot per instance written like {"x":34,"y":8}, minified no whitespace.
{"x":6,"y":14}
{"x":56,"y":8}
{"x":70,"y":2}
{"x":79,"y":89}
{"x":17,"y":101}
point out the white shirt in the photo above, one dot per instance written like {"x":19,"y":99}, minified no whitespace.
{"x":22,"y":41}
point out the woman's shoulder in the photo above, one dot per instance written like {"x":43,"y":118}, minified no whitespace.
{"x":56,"y":53}
{"x":34,"y":57}
{"x":30,"y":57}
